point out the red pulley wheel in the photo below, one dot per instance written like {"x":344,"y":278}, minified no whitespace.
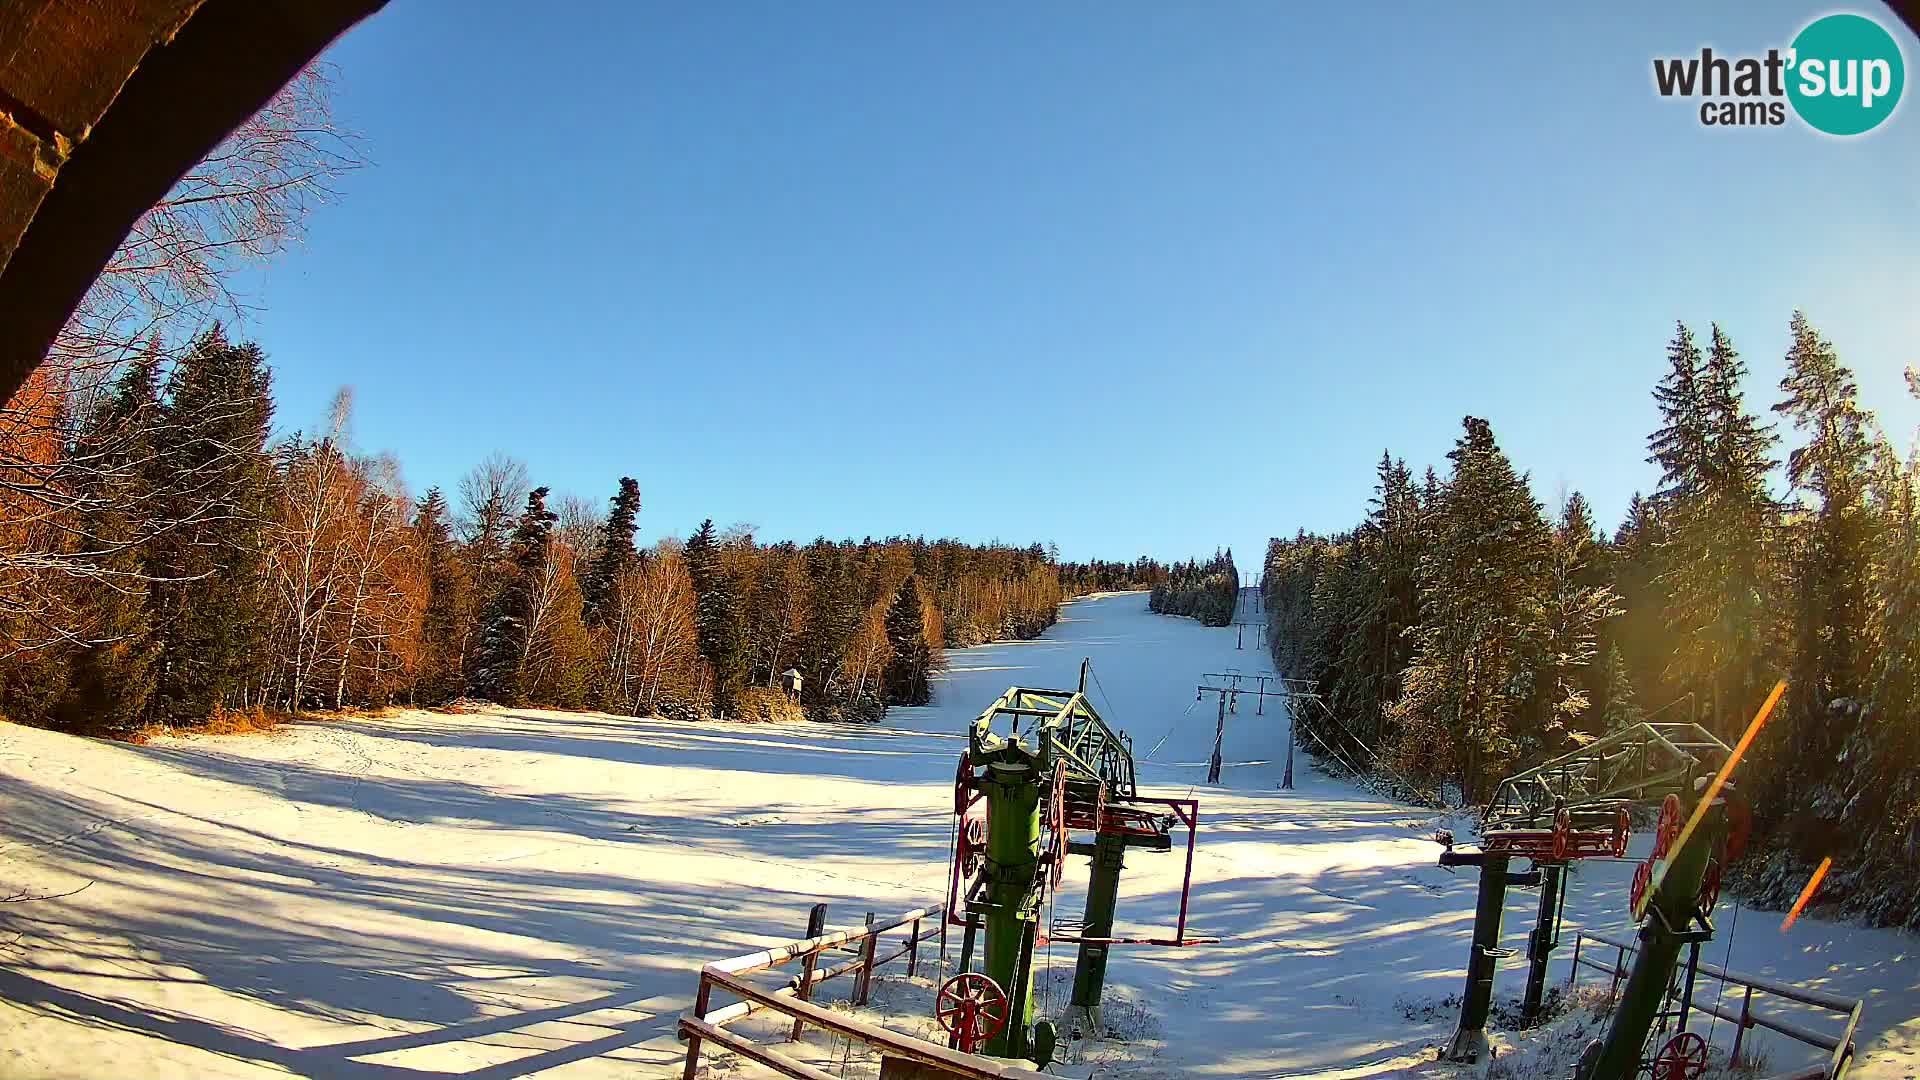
{"x":1642,"y":880}
{"x":972,"y":1008}
{"x":1683,"y":1058}
{"x":962,"y":785}
{"x":1710,"y":887}
{"x":1669,"y":827}
{"x":973,"y":840}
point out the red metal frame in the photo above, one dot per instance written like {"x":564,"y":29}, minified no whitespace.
{"x":1126,"y":818}
{"x":1121,"y":816}
{"x":1563,"y":842}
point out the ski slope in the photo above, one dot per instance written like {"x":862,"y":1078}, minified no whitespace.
{"x":529,"y":894}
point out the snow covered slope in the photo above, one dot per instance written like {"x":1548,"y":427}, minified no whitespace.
{"x":529,"y":894}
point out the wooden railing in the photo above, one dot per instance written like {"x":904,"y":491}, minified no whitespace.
{"x":1838,"y":1046}
{"x":707,"y":1024}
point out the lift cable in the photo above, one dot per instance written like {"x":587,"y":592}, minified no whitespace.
{"x":953,"y":854}
{"x":1725,"y":965}
{"x":1409,"y":788}
{"x":1104,"y":696}
{"x":1170,"y":729}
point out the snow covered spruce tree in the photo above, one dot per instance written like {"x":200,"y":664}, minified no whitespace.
{"x":1616,"y":706}
{"x":716,"y":618}
{"x":505,"y":625}
{"x":448,"y":601}
{"x":1720,"y":550}
{"x":1206,"y":591}
{"x":490,"y":495}
{"x":1640,"y":634}
{"x":207,"y":602}
{"x":1577,"y":602}
{"x":833,"y":615}
{"x":1482,"y":586}
{"x":600,"y":585}
{"x":911,"y":662}
{"x":608,"y":604}
{"x":1879,"y":774}
{"x":112,"y":672}
{"x":1831,"y":570}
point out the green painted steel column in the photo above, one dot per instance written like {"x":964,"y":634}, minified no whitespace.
{"x":1661,"y":939}
{"x":1013,"y":850}
{"x":1540,"y":944}
{"x":1103,"y":889}
{"x":1469,"y":1042}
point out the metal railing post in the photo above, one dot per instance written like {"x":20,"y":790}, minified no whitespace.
{"x":1619,"y":962}
{"x":1740,"y":1031}
{"x":913,"y":948}
{"x":816,"y":923}
{"x":1574,"y":975}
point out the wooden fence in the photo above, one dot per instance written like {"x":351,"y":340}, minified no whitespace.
{"x":794,"y":999}
{"x":1839,"y":1046}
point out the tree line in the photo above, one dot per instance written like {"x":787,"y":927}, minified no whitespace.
{"x":1459,"y":634}
{"x":1100,"y":575}
{"x":167,"y":560}
{"x":1205,"y":591}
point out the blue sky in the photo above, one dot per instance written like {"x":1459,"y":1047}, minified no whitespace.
{"x":1131,"y":277}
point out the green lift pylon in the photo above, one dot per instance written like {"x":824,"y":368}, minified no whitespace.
{"x":1066,"y":772}
{"x":1011,"y":905}
{"x":1572,"y":807}
{"x":1107,"y":851}
{"x":1677,"y":914}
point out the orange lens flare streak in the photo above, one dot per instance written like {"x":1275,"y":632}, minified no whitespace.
{"x":1712,"y":792}
{"x":1806,"y":894}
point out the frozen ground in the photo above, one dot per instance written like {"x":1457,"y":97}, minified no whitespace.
{"x":529,"y":894}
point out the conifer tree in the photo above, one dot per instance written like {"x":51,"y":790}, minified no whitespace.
{"x":1880,"y":777}
{"x":1574,"y":607}
{"x":1617,"y":706}
{"x":1640,"y":634}
{"x":112,"y":673}
{"x":448,"y":604}
{"x":912,"y":660}
{"x":1481,"y":586}
{"x":616,"y":553}
{"x":833,"y":615}
{"x":1833,"y":554}
{"x":507,"y":624}
{"x":491,"y":494}
{"x":1679,"y":445}
{"x":1715,"y":564}
{"x":213,"y":475}
{"x":717,"y":618}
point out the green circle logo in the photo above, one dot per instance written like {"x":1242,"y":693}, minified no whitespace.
{"x":1846,"y":74}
